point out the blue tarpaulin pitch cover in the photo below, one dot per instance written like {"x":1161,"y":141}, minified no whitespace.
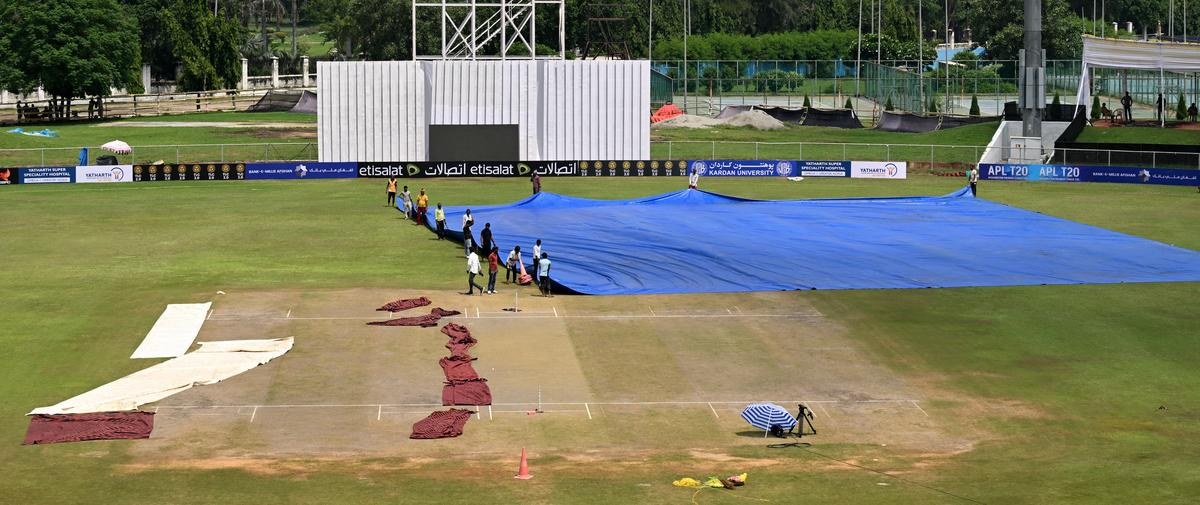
{"x":693,"y":241}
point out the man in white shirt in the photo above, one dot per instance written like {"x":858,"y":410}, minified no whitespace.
{"x":974,"y":180}
{"x":472,"y":271}
{"x":694,"y":180}
{"x":406,"y":199}
{"x":537,"y":257}
{"x":467,"y":221}
{"x":544,"y":275}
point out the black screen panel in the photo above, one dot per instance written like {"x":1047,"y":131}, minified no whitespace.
{"x":474,"y":142}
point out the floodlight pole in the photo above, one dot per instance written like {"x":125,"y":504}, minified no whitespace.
{"x":1032,"y":73}
{"x":650,"y":36}
{"x":920,"y":56}
{"x":687,"y":22}
{"x":858,"y":61}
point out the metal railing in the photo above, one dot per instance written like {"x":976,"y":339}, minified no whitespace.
{"x":933,"y":157}
{"x":180,"y":153}
{"x":137,"y":105}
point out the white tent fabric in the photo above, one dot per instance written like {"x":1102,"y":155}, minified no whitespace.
{"x":211,"y":363}
{"x":1133,"y":55}
{"x":174,"y":331}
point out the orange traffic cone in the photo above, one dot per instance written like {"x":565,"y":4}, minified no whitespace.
{"x":523,"y":471}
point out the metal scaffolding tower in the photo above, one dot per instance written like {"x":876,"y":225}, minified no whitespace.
{"x":489,"y":30}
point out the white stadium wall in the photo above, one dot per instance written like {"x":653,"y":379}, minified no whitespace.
{"x":566,"y":110}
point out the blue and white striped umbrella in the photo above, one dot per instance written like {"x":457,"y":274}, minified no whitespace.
{"x":763,"y":415}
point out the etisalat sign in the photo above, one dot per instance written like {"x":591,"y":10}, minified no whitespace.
{"x":468,"y":169}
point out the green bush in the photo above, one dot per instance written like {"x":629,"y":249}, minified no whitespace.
{"x":849,"y":104}
{"x":1057,"y":101}
{"x":1095,"y":108}
{"x":807,"y":102}
{"x":1181,"y":108}
{"x":974,"y":105}
{"x":888,"y":105}
{"x":933,"y":105}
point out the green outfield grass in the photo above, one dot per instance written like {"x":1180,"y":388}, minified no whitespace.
{"x":1140,"y":135}
{"x":1084,"y":369}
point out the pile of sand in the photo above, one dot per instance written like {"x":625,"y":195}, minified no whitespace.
{"x":756,"y":119}
{"x":688,"y":121}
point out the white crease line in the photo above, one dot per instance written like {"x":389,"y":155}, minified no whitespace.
{"x":289,"y":314}
{"x":477,"y":415}
{"x":534,"y":316}
{"x":209,"y":316}
{"x":728,"y":310}
{"x":918,"y":406}
{"x":489,"y":412}
{"x":714,"y":411}
{"x":555,"y":312}
{"x":476,"y":312}
{"x":589,"y":410}
{"x":651,"y":310}
{"x":379,"y":415}
{"x":827,"y":416}
{"x":252,"y":414}
{"x":499,"y":404}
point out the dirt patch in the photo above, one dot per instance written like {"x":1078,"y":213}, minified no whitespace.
{"x":614,"y":378}
{"x":282,"y":133}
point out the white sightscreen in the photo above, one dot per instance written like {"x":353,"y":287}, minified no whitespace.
{"x":566,"y":110}
{"x":596,"y":110}
{"x":485,"y":92}
{"x":370,"y":111}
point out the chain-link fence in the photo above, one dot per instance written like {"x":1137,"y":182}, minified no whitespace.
{"x":712,"y":84}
